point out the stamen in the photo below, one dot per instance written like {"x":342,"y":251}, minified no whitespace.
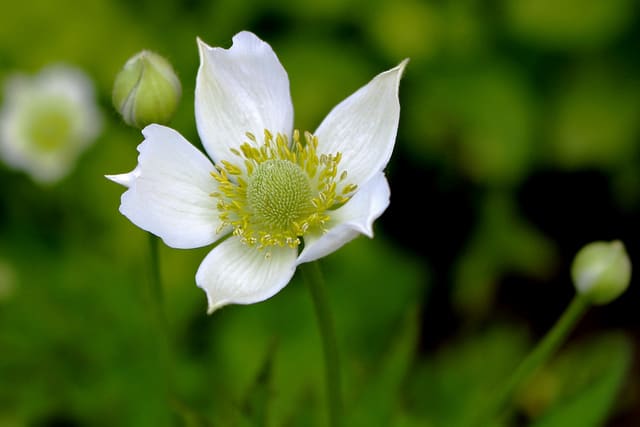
{"x":279,"y":191}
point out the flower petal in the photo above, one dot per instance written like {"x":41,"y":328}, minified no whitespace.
{"x":234,"y":273}
{"x":355,"y":217}
{"x":363,"y":127}
{"x":169,"y":191}
{"x":238,"y":90}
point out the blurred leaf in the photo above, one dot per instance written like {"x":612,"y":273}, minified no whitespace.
{"x":8,"y":280}
{"x":466,"y":32}
{"x":236,"y":339}
{"x":256,"y":402}
{"x":70,"y":31}
{"x":372,"y":276}
{"x":593,"y":121}
{"x":313,"y":87}
{"x":557,"y":23}
{"x":590,"y":376}
{"x":502,"y":243}
{"x":406,"y":28}
{"x":319,"y":11}
{"x":626,"y":186}
{"x":481,"y":117}
{"x":383,"y":393}
{"x":187,"y":415}
{"x":428,"y":31}
{"x":304,"y":414}
{"x":79,"y":363}
{"x":453,"y":383}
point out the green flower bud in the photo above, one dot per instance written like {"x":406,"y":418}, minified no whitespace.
{"x":601,"y":271}
{"x":147,"y":90}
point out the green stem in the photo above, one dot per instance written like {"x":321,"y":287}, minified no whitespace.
{"x":540,"y":354}
{"x":157,"y":294}
{"x":157,"y":299}
{"x":156,"y":282}
{"x":188,"y":416}
{"x":313,"y":277}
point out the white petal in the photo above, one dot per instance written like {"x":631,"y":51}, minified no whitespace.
{"x":234,"y":273}
{"x":169,"y":191}
{"x":363,"y":127}
{"x":238,"y":90}
{"x":354,"y":218}
{"x":125,"y":179}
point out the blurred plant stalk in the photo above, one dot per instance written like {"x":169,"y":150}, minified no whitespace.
{"x":601,"y":272}
{"x":313,"y":276}
{"x":538,"y":357}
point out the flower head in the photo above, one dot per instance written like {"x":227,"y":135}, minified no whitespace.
{"x":146,"y":90}
{"x":47,"y":120}
{"x":601,"y":271}
{"x":273,"y":197}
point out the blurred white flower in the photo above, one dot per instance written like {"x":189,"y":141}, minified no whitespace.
{"x":47,"y":120}
{"x":271,"y":189}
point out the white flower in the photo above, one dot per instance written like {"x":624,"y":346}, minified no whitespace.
{"x":47,"y":120}
{"x":271,"y":190}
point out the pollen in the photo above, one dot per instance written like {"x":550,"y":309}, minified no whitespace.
{"x":277,"y":191}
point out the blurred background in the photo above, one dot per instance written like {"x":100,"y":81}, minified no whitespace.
{"x":519,"y":142}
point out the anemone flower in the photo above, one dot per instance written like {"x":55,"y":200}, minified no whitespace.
{"x":47,"y":121}
{"x":270,"y":196}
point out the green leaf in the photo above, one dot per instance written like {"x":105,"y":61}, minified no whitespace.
{"x":256,"y":403}
{"x":601,"y":367}
{"x":454,"y":384}
{"x":380,"y":397}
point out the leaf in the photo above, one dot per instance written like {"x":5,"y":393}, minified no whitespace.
{"x":602,"y":366}
{"x":380,"y":397}
{"x":449,"y":387}
{"x":255,"y":406}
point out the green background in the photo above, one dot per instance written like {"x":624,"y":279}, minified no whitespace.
{"x":519,"y":142}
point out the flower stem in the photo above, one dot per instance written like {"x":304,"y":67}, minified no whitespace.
{"x":180,"y":408}
{"x":540,"y":354}
{"x":160,"y":322}
{"x":314,"y":278}
{"x":156,"y":282}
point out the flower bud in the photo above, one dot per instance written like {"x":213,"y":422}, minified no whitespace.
{"x":147,"y":90}
{"x":601,"y":271}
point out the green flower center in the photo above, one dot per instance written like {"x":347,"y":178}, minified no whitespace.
{"x":49,"y":129}
{"x":279,"y":191}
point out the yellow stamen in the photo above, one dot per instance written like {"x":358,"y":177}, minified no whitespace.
{"x":279,"y":191}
